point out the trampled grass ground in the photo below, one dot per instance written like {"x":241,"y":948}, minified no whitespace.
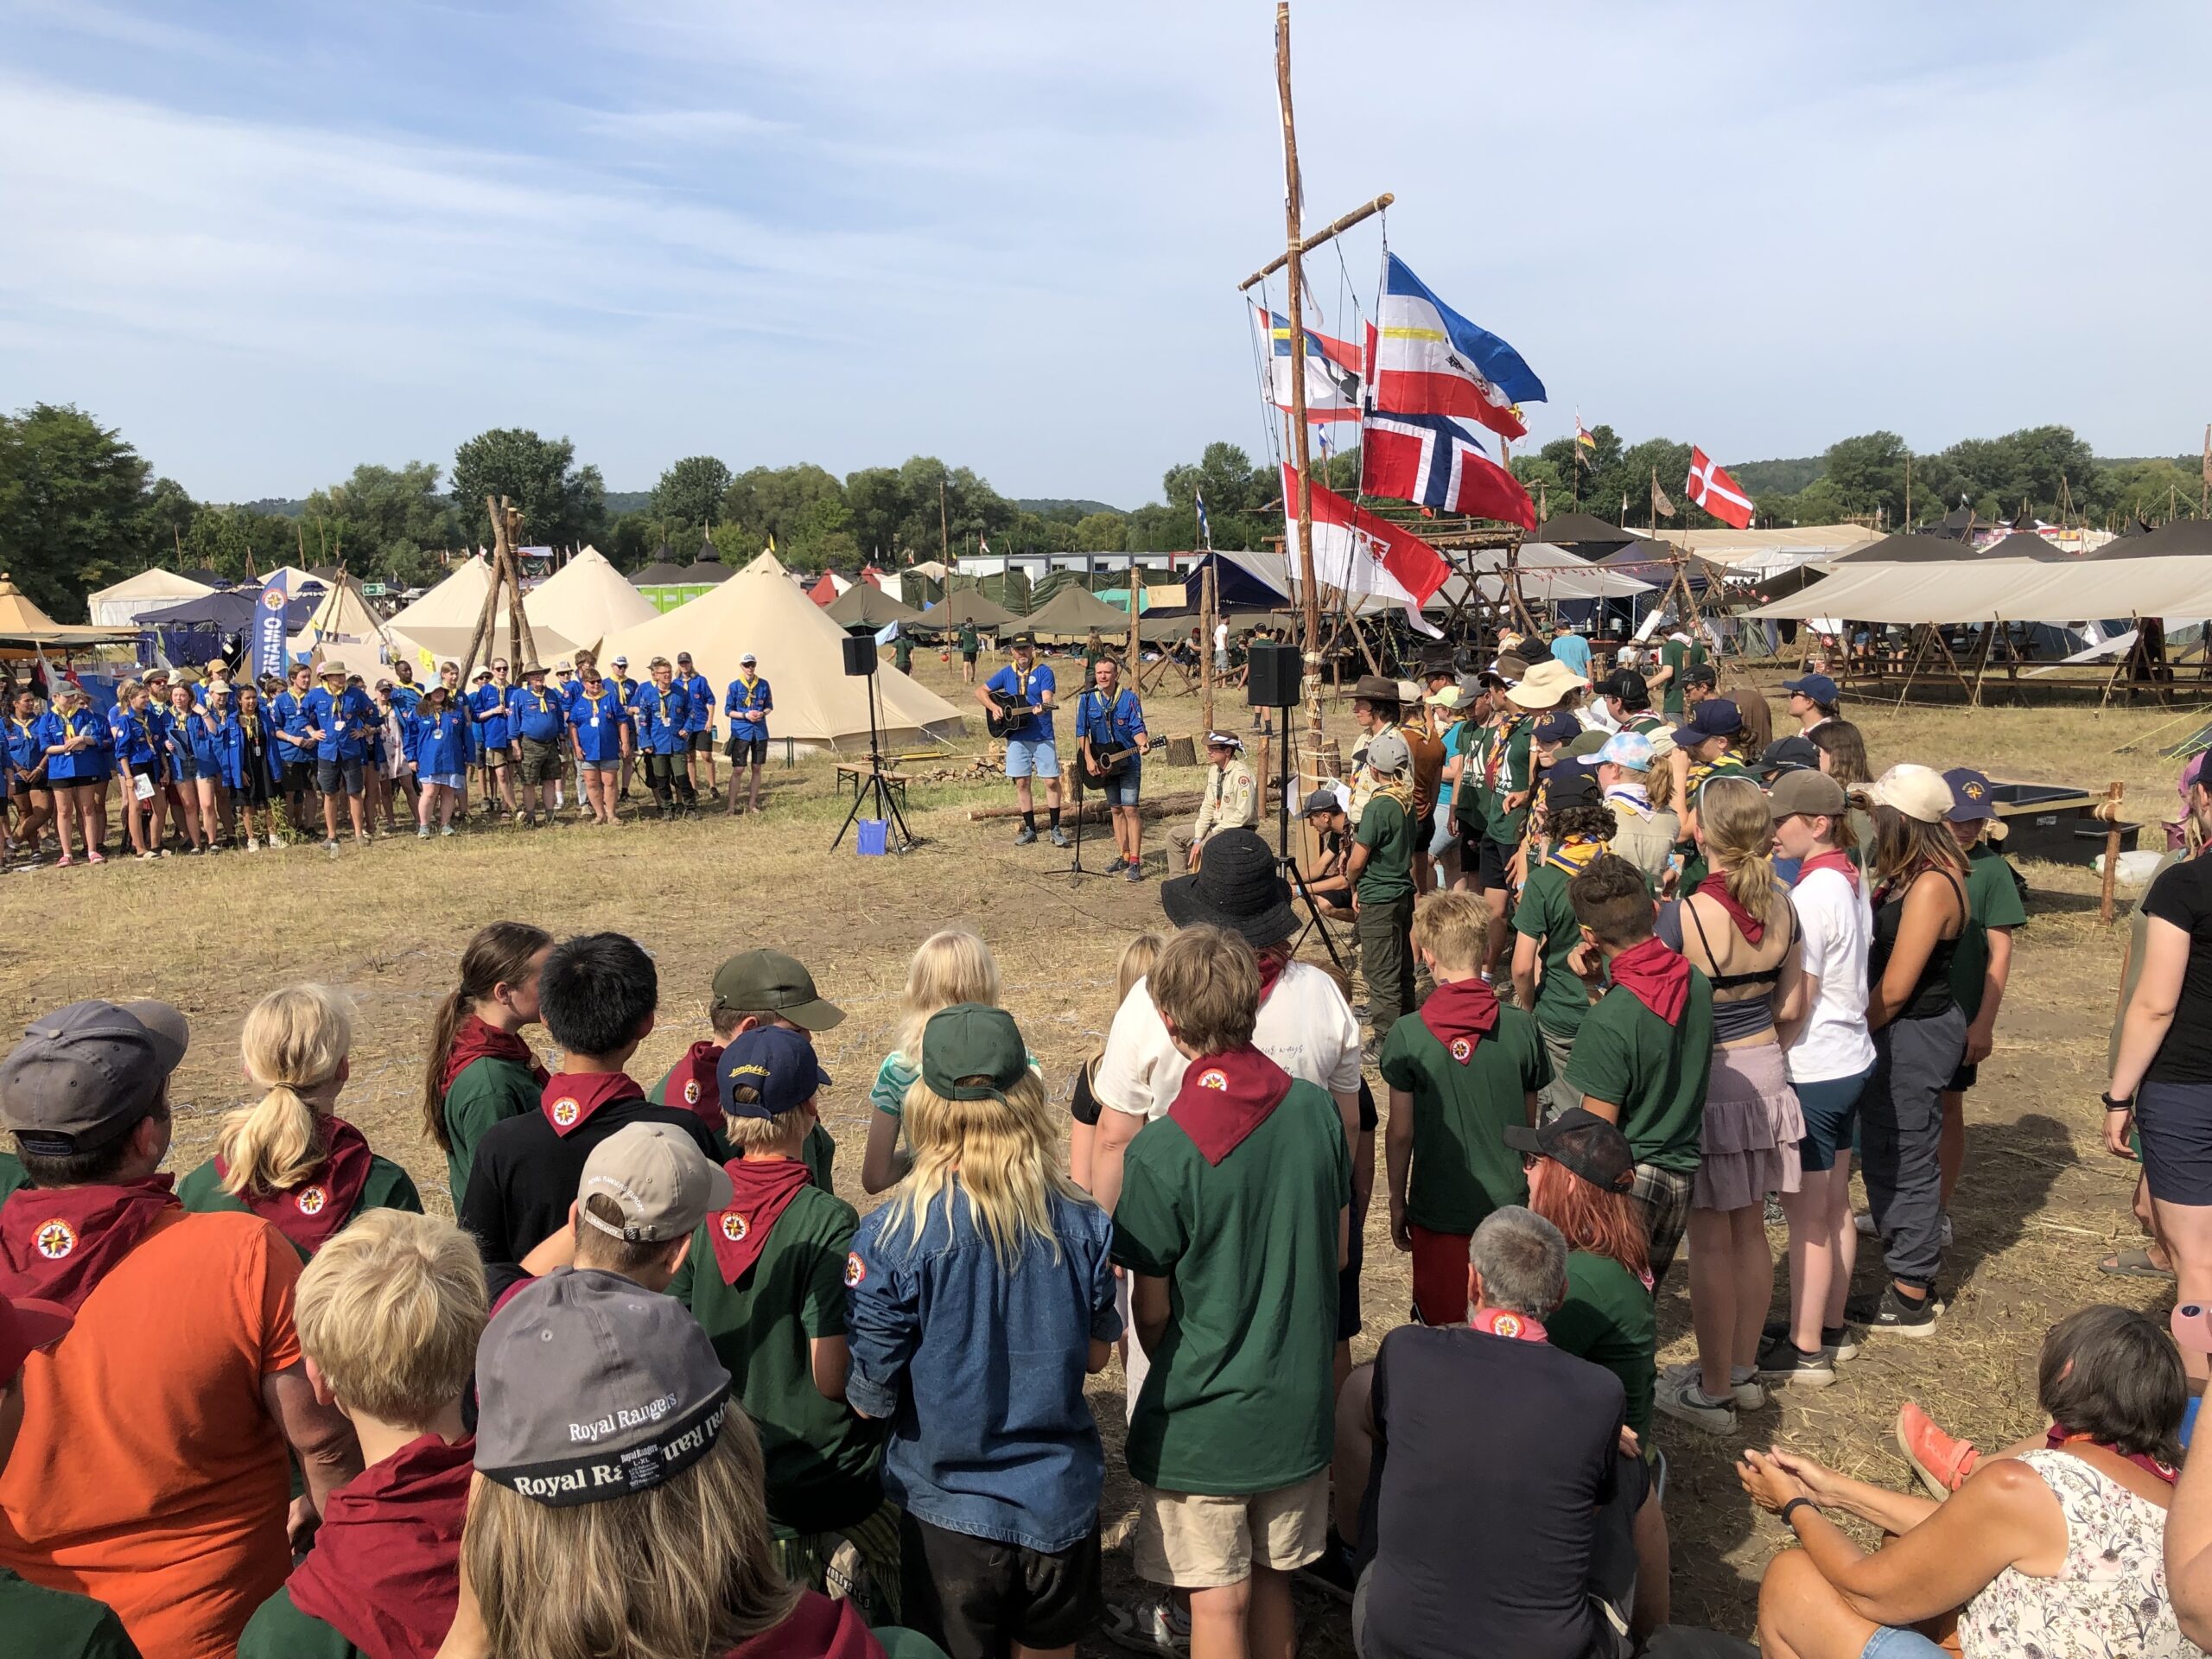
{"x":2040,"y":1203}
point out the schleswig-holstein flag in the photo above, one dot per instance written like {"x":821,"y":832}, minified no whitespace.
{"x":1431,"y":360}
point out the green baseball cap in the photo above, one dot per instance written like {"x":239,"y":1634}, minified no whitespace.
{"x":970,"y":1040}
{"x":769,"y":980}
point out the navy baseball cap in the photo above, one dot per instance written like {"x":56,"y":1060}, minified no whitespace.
{"x":1572,"y":785}
{"x":1558,"y":728}
{"x":778,"y":1064}
{"x":1714,"y":717}
{"x":1788,"y":754}
{"x":1819,"y":687}
{"x":1970,"y":797}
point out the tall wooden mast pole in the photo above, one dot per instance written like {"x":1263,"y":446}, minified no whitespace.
{"x":1309,"y":591}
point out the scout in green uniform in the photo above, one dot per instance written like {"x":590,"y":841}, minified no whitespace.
{"x":11,"y":1175}
{"x":766,"y":1278}
{"x":1983,"y":961}
{"x":1677,"y":654}
{"x":1234,"y":1217}
{"x":1644,"y":1053}
{"x":1381,"y":869}
{"x":902,"y":650}
{"x":1461,"y":1071}
{"x":480,"y":1071}
{"x":969,"y":648}
{"x":1548,"y":938}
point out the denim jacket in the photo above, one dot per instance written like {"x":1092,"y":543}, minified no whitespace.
{"x":980,"y":1371}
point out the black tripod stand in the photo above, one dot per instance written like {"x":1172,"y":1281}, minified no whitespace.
{"x":875,"y":786}
{"x":1288,"y":866}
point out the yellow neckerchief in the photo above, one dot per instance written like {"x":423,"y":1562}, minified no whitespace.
{"x":1399,"y":789}
{"x":544,"y":705}
{"x":1574,"y":855}
{"x":748,"y":681}
{"x":250,"y":724}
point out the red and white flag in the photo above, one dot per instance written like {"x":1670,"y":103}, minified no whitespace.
{"x":1711,"y":488}
{"x":1359,"y":553}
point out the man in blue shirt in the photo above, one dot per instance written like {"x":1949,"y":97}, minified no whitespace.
{"x":539,"y":714}
{"x":1026,"y":688}
{"x":339,"y":718}
{"x":295,"y":750}
{"x":661,"y":712}
{"x":699,"y":724}
{"x":495,"y":734}
{"x":1570,"y":647}
{"x":747,"y":707}
{"x":406,"y":696}
{"x":1110,"y":728}
{"x":625,"y":690}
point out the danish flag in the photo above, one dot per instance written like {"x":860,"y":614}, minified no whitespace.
{"x":1711,"y":488}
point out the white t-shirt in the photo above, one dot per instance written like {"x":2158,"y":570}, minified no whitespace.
{"x":1221,"y":636}
{"x":1836,"y":922}
{"x":1305,"y":1027}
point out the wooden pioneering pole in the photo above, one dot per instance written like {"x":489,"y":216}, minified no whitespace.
{"x":1297,"y":244}
{"x":1209,"y":619}
{"x":506,"y":582}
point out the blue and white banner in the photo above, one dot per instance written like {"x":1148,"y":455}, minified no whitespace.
{"x":269,"y":630}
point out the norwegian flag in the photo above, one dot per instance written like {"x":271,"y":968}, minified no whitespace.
{"x":1711,"y":488}
{"x":1433,"y":462}
{"x":1359,"y":553}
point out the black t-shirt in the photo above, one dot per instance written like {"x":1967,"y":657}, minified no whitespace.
{"x":526,"y":1174}
{"x":2183,"y":896}
{"x":1495,"y":1451}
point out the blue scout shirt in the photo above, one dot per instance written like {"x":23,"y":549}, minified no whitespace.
{"x":699,"y":697}
{"x":25,"y":752}
{"x":1119,"y":722}
{"x":748,"y":706}
{"x":86,"y":764}
{"x":599,"y":723}
{"x":537,"y":716}
{"x":489,"y":704}
{"x":288,"y":715}
{"x":405,"y":697}
{"x":343,"y":719}
{"x":440,"y":742}
{"x":205,"y":737}
{"x":1031,"y":688}
{"x":661,"y":717}
{"x":137,"y":742}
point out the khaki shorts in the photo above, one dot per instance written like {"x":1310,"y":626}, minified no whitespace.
{"x":1197,"y":1542}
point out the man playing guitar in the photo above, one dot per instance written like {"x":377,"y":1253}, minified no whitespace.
{"x":1111,"y":742}
{"x":1018,"y":705}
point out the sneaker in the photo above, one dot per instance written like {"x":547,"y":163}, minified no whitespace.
{"x":1332,"y":1571}
{"x":1678,"y":1396}
{"x":96,"y":856}
{"x":1835,"y":1339}
{"x":1941,"y":1461}
{"x":1024,"y":837}
{"x":1785,"y":1364}
{"x":1865,"y":1223}
{"x":1744,"y":1392}
{"x":1059,"y":836}
{"x":63,"y":862}
{"x":1896,"y":1313}
{"x":331,"y":847}
{"x":1136,"y":872}
{"x":1117,"y":865}
{"x":1154,"y":1625}
{"x":252,"y":845}
{"x":445,"y":830}
{"x":422,"y":833}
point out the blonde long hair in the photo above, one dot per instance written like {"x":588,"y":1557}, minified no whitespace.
{"x":295,"y":1044}
{"x":1737,"y":827}
{"x":949,"y":967}
{"x":1006,"y":1153}
{"x":684,"y":1568}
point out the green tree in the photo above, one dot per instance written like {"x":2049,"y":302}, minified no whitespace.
{"x":692,"y":489}
{"x":1100,"y":532}
{"x":1242,"y":501}
{"x":75,"y":506}
{"x":380,"y":519}
{"x":563,"y":504}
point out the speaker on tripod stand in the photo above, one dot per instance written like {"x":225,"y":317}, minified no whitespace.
{"x":861,"y":663}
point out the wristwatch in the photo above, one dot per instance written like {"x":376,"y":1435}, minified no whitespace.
{"x":2112,"y":1105}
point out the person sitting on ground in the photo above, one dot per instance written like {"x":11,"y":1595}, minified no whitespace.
{"x":679,"y":1489}
{"x":986,"y":1251}
{"x":1644,"y":832}
{"x":1230,"y":800}
{"x":389,"y":1316}
{"x":1485,"y":1475}
{"x":2055,"y":1547}
{"x":481,"y":1072}
{"x":1234,"y":1214}
{"x":158,"y":1489}
{"x":1548,"y":948}
{"x":766,"y":1278}
{"x":1324,"y":814}
{"x":750,"y":990}
{"x":1462,"y":1071}
{"x":1645,"y":1047}
{"x":951,"y":966}
{"x":598,"y":992}
{"x":289,"y":1159}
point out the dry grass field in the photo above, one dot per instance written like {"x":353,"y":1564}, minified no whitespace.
{"x":2040,"y":1203}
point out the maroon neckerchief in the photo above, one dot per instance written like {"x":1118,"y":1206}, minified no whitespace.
{"x":2058,"y":1439}
{"x":571,"y":1097}
{"x":1459,"y":1014}
{"x":1831,"y":860}
{"x":309,"y":1212}
{"x":1656,"y":976}
{"x":1225,"y":1097}
{"x":57,"y":1244}
{"x":760,"y":1190}
{"x":1715,"y":887}
{"x":817,"y":1628}
{"x":1499,"y":1322}
{"x":1273,"y":961}
{"x":690,"y":1085}
{"x":385,"y":1569}
{"x":477,"y":1041}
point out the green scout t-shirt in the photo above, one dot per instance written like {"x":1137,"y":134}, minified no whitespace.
{"x":902,"y":654}
{"x":1655,"y":1073}
{"x":1545,"y":914}
{"x":1462,"y":1167}
{"x":1502,"y":765}
{"x":386,"y":1187}
{"x":968,"y":646}
{"x":1992,"y":900}
{"x":487,"y":1091}
{"x":1677,"y":656}
{"x":1607,"y":1318}
{"x":1388,"y":837}
{"x":11,"y":1175}
{"x":1238,"y":1397}
{"x":821,"y":1456}
{"x":280,"y":1630}
{"x":55,"y":1625}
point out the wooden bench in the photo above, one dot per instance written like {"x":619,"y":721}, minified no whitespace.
{"x":857,"y":774}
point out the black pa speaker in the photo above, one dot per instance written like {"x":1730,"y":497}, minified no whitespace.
{"x":860,"y":654}
{"x":1273,"y":683}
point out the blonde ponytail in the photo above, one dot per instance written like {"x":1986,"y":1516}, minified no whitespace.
{"x":1738,"y":828}
{"x":295,"y":1044}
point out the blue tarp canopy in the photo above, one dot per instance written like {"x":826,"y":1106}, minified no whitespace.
{"x":229,"y":612}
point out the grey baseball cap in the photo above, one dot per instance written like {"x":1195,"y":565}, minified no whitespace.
{"x":592,"y":1387}
{"x":655,"y":1173}
{"x":85,"y":1074}
{"x":1387,"y":754}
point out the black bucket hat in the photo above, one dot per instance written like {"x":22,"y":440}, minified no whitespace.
{"x":1236,"y":888}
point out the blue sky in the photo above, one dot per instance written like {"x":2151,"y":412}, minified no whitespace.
{"x":271,"y":242}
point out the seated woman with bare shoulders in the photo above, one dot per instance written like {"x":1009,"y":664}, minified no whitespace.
{"x":2055,"y":1547}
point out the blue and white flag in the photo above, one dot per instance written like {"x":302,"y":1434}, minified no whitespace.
{"x":887,"y":633}
{"x":269,"y":629}
{"x":1205,"y":530}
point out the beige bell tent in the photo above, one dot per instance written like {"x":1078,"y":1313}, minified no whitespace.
{"x":21,"y":622}
{"x":586,"y":600}
{"x":761,"y":610}
{"x":342,"y":625}
{"x":120,"y":606}
{"x":440,"y":625}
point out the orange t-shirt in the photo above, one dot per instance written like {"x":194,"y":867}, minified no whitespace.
{"x":150,"y":1474}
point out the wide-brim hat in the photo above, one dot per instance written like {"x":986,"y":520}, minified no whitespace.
{"x":1373,"y":688}
{"x":1237,"y":887}
{"x":1544,"y":685}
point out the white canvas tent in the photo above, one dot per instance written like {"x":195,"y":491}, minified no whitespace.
{"x":586,"y":600}
{"x":440,"y":625}
{"x":801,"y":651}
{"x":1768,"y":552}
{"x":342,"y":625}
{"x":119,"y":607}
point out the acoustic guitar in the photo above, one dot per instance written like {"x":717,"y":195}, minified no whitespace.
{"x":1006,"y":710}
